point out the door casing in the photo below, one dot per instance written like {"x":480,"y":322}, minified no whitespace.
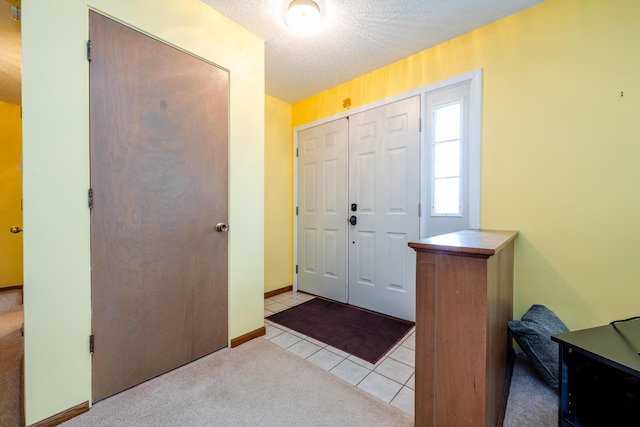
{"x":474,"y":78}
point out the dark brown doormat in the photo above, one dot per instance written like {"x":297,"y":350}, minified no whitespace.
{"x":362,"y":333}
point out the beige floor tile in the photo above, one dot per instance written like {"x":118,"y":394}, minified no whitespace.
{"x":316,"y":342}
{"x":337,"y":351}
{"x":276,"y":307}
{"x":301,"y":296}
{"x":289,"y":302}
{"x":379,"y":386}
{"x":304,"y":349}
{"x":277,"y":325}
{"x":298,"y":334}
{"x":410,"y":342}
{"x":279,"y":297}
{"x":404,"y":355}
{"x":285,"y":340}
{"x":272,"y":332}
{"x":325,"y":359}
{"x":350,"y":371}
{"x":396,"y":365}
{"x":404,"y":400}
{"x":364,"y":363}
{"x":395,"y":370}
{"x":412,"y":382}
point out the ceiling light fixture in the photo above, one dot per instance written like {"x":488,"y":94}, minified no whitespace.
{"x":303,"y":15}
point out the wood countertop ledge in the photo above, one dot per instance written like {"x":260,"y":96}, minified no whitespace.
{"x":471,"y":243}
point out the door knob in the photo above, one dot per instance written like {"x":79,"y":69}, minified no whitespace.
{"x":353,"y":220}
{"x":221,"y":226}
{"x":15,"y":229}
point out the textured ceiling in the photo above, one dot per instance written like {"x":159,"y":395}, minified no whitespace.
{"x":10,"y":58}
{"x":357,"y":36}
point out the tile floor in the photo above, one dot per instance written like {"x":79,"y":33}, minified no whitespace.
{"x":391,"y":379}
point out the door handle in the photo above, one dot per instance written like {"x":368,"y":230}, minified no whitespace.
{"x":353,"y":220}
{"x":15,"y":229}
{"x":222,"y":227}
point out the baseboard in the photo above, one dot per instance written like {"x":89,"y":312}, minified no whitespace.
{"x":248,"y":336}
{"x":11,"y":288}
{"x":61,"y":417}
{"x":278,"y":291}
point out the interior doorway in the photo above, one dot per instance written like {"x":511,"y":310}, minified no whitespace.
{"x":159,"y":206}
{"x":11,"y":275}
{"x":11,"y":235}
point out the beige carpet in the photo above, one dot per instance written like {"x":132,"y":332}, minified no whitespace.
{"x":11,"y":349}
{"x":255,"y":384}
{"x":531,"y":403}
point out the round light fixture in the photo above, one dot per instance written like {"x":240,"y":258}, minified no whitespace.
{"x":303,"y":15}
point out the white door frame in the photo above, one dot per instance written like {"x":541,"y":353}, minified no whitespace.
{"x":474,"y":78}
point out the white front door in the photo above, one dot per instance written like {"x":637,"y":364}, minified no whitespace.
{"x":384,"y":176}
{"x":322,"y":210}
{"x":369,"y":264}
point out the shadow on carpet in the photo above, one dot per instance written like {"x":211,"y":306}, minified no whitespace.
{"x":359,"y":332}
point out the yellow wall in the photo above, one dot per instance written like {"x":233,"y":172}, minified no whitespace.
{"x":559,"y":146}
{"x":10,"y":195}
{"x":278,"y":191}
{"x":56,"y":178}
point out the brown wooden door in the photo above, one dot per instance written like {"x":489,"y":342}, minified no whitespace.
{"x":159,"y":135}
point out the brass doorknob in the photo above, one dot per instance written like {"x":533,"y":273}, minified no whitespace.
{"x":15,"y":229}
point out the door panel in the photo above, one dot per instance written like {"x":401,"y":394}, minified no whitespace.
{"x":159,"y":178}
{"x":384,"y":162}
{"x":322,"y":210}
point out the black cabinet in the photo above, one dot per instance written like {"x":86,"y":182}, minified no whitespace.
{"x":600,"y":376}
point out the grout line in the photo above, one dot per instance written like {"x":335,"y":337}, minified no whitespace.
{"x":328,"y":348}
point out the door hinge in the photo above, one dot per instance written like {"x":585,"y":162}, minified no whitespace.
{"x":296,"y":211}
{"x":89,"y":57}
{"x":296,"y":152}
{"x":296,"y":268}
{"x":91,"y":344}
{"x":419,"y":210}
{"x":90,"y":197}
{"x":420,"y":124}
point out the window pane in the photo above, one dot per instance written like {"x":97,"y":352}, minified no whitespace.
{"x":446,"y":159}
{"x":447,"y":122}
{"x":446,"y":196}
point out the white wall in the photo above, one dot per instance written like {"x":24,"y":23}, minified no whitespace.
{"x":56,"y":178}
